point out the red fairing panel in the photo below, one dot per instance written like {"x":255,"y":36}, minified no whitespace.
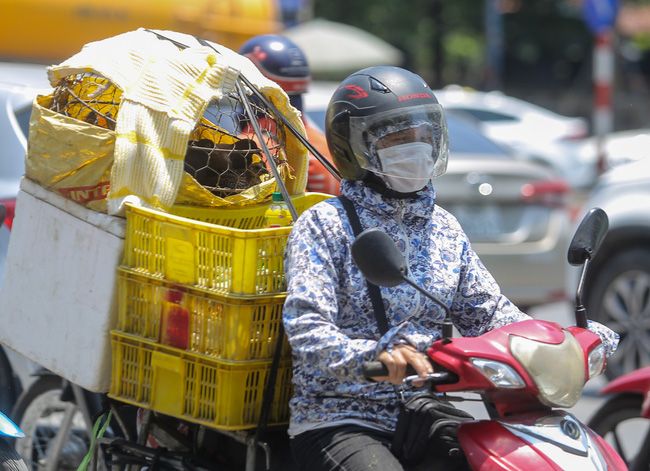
{"x":637,"y":381}
{"x":490,"y":447}
{"x":614,"y":462}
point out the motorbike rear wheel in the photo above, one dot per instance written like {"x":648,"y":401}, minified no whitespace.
{"x":44,"y":417}
{"x":10,"y":460}
{"x":618,"y":420}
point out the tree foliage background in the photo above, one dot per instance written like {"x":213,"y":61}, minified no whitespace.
{"x":547,"y":48}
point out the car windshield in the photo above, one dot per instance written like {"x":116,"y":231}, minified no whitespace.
{"x":486,"y":115}
{"x":465,"y":138}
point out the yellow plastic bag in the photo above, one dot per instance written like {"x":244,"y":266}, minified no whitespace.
{"x":69,"y":156}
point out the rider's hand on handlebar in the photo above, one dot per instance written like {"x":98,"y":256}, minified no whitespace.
{"x":396,"y":362}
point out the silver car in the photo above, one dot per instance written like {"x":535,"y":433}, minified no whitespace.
{"x":617,"y":287}
{"x":543,"y":135}
{"x":513,"y":210}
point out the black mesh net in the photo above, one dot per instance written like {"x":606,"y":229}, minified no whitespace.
{"x":225,"y":155}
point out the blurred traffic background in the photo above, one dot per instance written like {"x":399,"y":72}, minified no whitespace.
{"x":547,"y":103}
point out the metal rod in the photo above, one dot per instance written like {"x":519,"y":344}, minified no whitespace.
{"x":315,"y":152}
{"x":54,"y":450}
{"x":265,"y":149}
{"x":320,"y":157}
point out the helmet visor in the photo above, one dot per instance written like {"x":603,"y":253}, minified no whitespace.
{"x":422,"y":123}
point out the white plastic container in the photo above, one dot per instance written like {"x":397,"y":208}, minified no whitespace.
{"x":59,"y":292}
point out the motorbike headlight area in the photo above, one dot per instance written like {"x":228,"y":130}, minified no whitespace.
{"x":500,"y":375}
{"x":558,"y":370}
{"x":596,"y":360}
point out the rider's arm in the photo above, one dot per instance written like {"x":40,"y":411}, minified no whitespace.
{"x":327,"y":321}
{"x":315,"y":295}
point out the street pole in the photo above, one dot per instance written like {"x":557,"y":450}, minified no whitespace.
{"x":603,"y":79}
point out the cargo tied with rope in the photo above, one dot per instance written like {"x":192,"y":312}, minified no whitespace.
{"x":142,"y":223}
{"x":157,"y":119}
{"x":152,"y":147}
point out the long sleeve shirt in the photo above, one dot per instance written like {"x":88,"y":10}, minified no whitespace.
{"x":328,"y":315}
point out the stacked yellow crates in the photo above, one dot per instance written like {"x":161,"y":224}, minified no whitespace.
{"x":201,"y":293}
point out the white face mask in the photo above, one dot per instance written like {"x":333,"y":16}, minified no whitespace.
{"x":407,"y":167}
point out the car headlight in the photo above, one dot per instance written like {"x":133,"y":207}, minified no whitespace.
{"x":596,"y":360}
{"x":558,"y":370}
{"x":499,"y":374}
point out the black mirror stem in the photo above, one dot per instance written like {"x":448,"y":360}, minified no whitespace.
{"x":581,"y":312}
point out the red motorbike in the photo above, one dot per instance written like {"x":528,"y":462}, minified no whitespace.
{"x":523,"y":371}
{"x":624,"y":420}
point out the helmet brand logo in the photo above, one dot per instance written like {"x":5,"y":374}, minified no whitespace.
{"x":413,"y":96}
{"x":358,"y":91}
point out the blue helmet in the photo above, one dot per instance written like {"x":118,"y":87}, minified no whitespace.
{"x":281,"y":60}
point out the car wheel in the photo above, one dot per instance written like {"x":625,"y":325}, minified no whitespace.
{"x":620,"y":299}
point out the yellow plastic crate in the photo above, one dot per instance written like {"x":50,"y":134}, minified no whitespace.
{"x":224,"y":327}
{"x":225,"y":395}
{"x":222,"y":250}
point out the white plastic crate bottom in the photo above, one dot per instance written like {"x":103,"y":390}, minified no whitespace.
{"x":59,"y":291}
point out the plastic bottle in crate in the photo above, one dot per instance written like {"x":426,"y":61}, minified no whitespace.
{"x":175,"y":319}
{"x":278,"y":214}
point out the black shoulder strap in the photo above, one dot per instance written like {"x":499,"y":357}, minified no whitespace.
{"x":373,"y":290}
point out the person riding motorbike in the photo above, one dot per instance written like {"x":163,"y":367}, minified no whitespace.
{"x":388,"y":138}
{"x":281,"y":60}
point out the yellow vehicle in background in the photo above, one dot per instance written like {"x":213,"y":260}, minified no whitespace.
{"x":49,"y":32}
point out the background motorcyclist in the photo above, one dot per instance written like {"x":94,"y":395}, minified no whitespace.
{"x":387,"y":135}
{"x":281,"y":60}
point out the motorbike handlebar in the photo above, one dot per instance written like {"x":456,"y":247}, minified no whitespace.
{"x":372,"y":369}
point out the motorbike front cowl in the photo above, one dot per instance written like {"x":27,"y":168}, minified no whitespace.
{"x":525,"y":370}
{"x":523,"y":367}
{"x":555,"y":440}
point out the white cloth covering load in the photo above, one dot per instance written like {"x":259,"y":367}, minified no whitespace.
{"x":166,"y":89}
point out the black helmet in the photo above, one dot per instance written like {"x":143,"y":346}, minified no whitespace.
{"x":373,"y":103}
{"x":281,"y":60}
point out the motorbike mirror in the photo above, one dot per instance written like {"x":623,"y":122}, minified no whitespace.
{"x":379,"y":259}
{"x":588,"y":237}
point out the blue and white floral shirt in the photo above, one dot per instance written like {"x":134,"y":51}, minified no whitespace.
{"x":328,"y":315}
